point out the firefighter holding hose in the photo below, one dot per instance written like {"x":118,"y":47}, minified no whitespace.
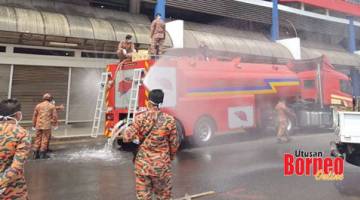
{"x":156,"y":134}
{"x":15,"y":145}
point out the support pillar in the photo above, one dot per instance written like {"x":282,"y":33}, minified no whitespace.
{"x":68,"y":97}
{"x":275,"y":21}
{"x":352,"y":39}
{"x":10,"y":81}
{"x":135,"y":6}
{"x":354,"y":73}
{"x":355,"y":81}
{"x":161,"y":8}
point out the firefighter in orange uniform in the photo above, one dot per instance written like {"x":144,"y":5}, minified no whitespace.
{"x":126,"y":48}
{"x":283,"y":114}
{"x":157,"y":34}
{"x":156,"y":134}
{"x":15,"y":146}
{"x":45,"y":116}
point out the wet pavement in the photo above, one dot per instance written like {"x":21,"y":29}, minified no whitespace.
{"x":236,"y":167}
{"x":69,"y":131}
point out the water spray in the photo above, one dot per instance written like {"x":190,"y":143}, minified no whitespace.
{"x":115,"y":133}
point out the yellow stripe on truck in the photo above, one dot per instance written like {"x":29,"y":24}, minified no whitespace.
{"x":335,"y":101}
{"x":107,"y":132}
{"x":341,"y":97}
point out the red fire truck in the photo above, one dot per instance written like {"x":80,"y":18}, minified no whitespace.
{"x":213,"y":97}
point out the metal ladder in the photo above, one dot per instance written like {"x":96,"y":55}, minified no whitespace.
{"x":134,"y":96}
{"x":99,"y":105}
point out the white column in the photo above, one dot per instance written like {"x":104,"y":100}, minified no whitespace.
{"x":11,"y":80}
{"x":293,"y":45}
{"x":327,"y":12}
{"x":176,"y":32}
{"x":68,"y":97}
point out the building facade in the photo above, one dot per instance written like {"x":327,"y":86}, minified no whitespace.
{"x":62,"y":46}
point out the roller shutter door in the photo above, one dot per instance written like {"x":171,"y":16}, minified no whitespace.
{"x":85,"y":84}
{"x":4,"y":81}
{"x":31,"y":82}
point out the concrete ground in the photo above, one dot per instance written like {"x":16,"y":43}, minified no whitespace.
{"x":235,"y":167}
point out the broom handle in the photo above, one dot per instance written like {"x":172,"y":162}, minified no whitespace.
{"x":202,"y":194}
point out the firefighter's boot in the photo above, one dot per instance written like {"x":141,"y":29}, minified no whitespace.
{"x":36,"y":155}
{"x":43,"y":155}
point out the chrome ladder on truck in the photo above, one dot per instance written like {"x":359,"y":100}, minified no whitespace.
{"x":134,"y":96}
{"x":99,"y":105}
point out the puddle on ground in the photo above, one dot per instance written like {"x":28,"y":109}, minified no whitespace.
{"x":88,"y":154}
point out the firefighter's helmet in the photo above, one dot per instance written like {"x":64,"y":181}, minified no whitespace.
{"x":47,"y":96}
{"x":156,"y":96}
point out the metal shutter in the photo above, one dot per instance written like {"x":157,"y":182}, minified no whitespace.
{"x":4,"y":81}
{"x":31,"y":82}
{"x":83,"y":94}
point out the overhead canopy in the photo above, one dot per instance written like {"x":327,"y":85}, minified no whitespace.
{"x":336,"y":57}
{"x":255,"y":44}
{"x":51,"y":26}
{"x":231,"y":40}
{"x":106,"y":27}
{"x":224,"y":31}
{"x":81,"y":8}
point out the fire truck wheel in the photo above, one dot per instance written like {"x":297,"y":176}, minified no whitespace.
{"x":117,"y":144}
{"x":268,"y":124}
{"x":290,"y":126}
{"x":204,"y":131}
{"x":180,"y":131}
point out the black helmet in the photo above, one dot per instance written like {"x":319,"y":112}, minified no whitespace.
{"x":156,"y":96}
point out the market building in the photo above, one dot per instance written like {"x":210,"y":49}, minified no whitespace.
{"x":62,"y":46}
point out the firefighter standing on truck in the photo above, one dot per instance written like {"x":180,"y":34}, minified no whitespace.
{"x":126,"y":48}
{"x":15,"y":146}
{"x":156,"y":134}
{"x":283,"y":114}
{"x":45,"y":116}
{"x":157,"y":34}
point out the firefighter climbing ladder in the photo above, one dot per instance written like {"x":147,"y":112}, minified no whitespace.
{"x":99,"y":105}
{"x":134,"y":96}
